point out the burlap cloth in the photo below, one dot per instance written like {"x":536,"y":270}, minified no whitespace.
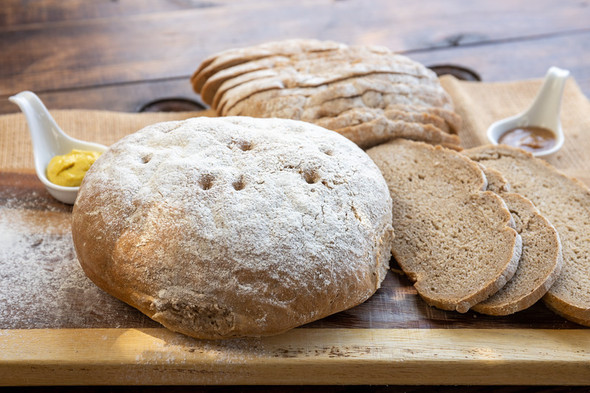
{"x":479,"y":104}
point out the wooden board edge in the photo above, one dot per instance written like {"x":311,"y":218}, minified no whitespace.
{"x":301,"y":356}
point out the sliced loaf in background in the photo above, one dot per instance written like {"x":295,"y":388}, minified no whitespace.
{"x":368,"y":94}
{"x":453,"y":238}
{"x":565,"y":202}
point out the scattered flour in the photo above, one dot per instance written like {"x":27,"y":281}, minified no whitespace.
{"x":41,"y":283}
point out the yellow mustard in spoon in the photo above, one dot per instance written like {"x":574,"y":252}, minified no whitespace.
{"x":69,"y":169}
{"x":49,"y":141}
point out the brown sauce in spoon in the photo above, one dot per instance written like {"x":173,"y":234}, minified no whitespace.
{"x":531,"y":139}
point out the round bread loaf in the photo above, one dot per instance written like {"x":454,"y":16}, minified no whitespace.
{"x":229,"y":227}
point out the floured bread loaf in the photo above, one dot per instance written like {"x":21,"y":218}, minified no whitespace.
{"x":566,"y":204}
{"x":228,"y":227}
{"x":452,"y":238}
{"x":368,"y":94}
{"x":540,"y":262}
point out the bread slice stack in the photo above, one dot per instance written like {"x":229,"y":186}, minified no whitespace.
{"x":453,"y":238}
{"x":368,"y":94}
{"x":462,"y":236}
{"x":541,"y":259}
{"x":565,"y":202}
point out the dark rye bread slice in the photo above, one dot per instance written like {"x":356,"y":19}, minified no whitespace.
{"x":541,"y":259}
{"x":452,"y":237}
{"x":565,"y":202}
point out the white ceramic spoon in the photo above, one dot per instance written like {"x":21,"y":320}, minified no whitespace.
{"x":49,"y":141}
{"x":543,"y":112}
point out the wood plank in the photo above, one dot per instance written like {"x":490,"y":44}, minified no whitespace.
{"x":307,"y":389}
{"x":304,"y":388}
{"x":311,"y":356}
{"x":493,"y":62}
{"x":129,"y":97}
{"x":520,"y":60}
{"x":15,"y":13}
{"x":82,"y":53}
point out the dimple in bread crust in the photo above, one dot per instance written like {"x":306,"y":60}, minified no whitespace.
{"x":453,"y":239}
{"x":233,"y":227}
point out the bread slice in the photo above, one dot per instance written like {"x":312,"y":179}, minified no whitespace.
{"x":384,"y":83}
{"x":452,"y":119}
{"x":236,"y":56}
{"x":452,"y":237}
{"x":541,"y":259}
{"x":381,"y":129}
{"x":372,"y":99}
{"x":216,"y":86}
{"x":565,"y":202}
{"x":355,"y":116}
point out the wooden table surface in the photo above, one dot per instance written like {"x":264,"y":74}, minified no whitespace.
{"x":130,"y":55}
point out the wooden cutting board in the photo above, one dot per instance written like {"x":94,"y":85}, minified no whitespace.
{"x":58,"y":328}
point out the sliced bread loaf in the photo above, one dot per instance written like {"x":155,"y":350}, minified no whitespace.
{"x":540,"y":262}
{"x":453,"y":238}
{"x":316,"y":81}
{"x":565,"y":202}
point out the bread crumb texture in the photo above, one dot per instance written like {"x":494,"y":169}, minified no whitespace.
{"x":453,"y":238}
{"x":228,"y":227}
{"x":565,"y":202}
{"x":540,"y":262}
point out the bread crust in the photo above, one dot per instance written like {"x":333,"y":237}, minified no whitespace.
{"x":231,"y":227}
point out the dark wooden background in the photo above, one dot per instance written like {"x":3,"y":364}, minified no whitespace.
{"x":123,"y":55}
